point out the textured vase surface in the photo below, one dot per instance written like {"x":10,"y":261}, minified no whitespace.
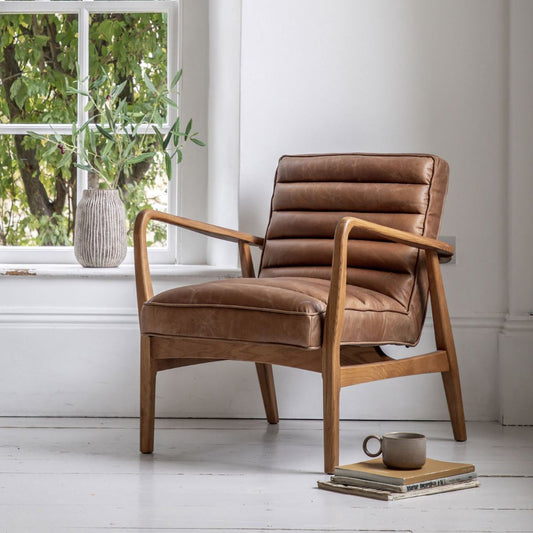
{"x":100,"y":239}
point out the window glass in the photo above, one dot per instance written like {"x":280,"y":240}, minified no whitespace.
{"x":37,"y":193}
{"x":38,"y":54}
{"x":131,"y":48}
{"x":40,"y":63}
{"x":146,"y":188}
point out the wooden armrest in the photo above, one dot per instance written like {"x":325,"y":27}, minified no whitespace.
{"x":337,"y":291}
{"x":142,"y":271}
{"x":194,"y":225}
{"x":396,"y":235}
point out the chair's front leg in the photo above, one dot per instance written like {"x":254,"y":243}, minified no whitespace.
{"x":331,"y":401}
{"x":147,"y":412}
{"x":331,"y":367}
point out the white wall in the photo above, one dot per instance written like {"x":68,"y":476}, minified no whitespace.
{"x":410,"y":76}
{"x":315,"y":76}
{"x":387,"y":76}
{"x":224,"y":124}
{"x":193,"y":171}
{"x":69,"y":336}
{"x":516,"y":338}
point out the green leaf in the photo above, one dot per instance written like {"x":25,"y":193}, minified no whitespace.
{"x":73,"y":90}
{"x":175,"y":128}
{"x":40,"y":40}
{"x":188,"y":129}
{"x":35,"y":135}
{"x":167,"y":140}
{"x":176,"y":78}
{"x":105,"y":29}
{"x":19,"y":92}
{"x":168,"y":165}
{"x":170,"y":102}
{"x":83,"y":167}
{"x":98,"y":83}
{"x":50,"y":150}
{"x":99,"y":166}
{"x":109,"y":118}
{"x":159,"y":120}
{"x":197,"y":141}
{"x":105,"y":152}
{"x":118,"y":89}
{"x":90,"y":139}
{"x":150,"y":86}
{"x":64,"y":160}
{"x":105,"y":133}
{"x":121,"y":109}
{"x":141,"y":157}
{"x":83,"y":127}
{"x":159,"y":136}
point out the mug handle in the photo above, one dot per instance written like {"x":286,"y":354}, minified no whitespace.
{"x":365,"y":449}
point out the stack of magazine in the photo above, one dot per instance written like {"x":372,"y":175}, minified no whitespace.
{"x":374,"y":480}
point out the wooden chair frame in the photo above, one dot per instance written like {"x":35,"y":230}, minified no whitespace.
{"x":340,"y":365}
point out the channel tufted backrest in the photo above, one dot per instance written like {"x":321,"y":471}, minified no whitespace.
{"x":313,"y":192}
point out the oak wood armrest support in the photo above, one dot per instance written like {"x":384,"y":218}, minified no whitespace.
{"x":337,"y":291}
{"x":142,"y":270}
{"x":403,"y":237}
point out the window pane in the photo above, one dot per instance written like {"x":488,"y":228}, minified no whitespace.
{"x":130,"y":47}
{"x":146,"y":188}
{"x":37,"y":193}
{"x":38,"y":58}
{"x":38,"y":53}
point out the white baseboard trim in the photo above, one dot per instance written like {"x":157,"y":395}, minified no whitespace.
{"x":515,"y":349}
{"x":83,"y":361}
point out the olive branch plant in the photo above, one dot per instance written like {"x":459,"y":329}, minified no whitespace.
{"x":115,"y":138}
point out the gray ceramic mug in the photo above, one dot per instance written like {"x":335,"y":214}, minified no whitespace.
{"x":405,"y":451}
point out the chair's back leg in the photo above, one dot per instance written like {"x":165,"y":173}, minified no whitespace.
{"x":444,"y":340}
{"x":264,"y":371}
{"x":147,"y":411}
{"x":268,"y":391}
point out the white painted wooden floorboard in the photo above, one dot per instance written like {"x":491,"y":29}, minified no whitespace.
{"x":242,"y":475}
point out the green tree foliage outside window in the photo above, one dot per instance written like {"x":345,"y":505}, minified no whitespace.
{"x":38,"y":61}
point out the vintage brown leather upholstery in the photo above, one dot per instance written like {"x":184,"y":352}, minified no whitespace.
{"x":387,"y":282}
{"x":284,"y":310}
{"x":349,"y":257}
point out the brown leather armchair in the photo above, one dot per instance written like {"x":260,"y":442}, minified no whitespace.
{"x":348,"y":260}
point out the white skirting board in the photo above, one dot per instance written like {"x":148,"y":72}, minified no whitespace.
{"x":515,"y":348}
{"x":85,"y":363}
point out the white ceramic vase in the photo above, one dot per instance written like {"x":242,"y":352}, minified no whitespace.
{"x":100,"y":239}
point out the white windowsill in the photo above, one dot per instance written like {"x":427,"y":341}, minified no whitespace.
{"x":123,"y":271}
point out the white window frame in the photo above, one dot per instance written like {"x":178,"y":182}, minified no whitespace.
{"x":83,"y":8}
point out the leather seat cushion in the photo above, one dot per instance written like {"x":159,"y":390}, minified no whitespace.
{"x":281,"y":310}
